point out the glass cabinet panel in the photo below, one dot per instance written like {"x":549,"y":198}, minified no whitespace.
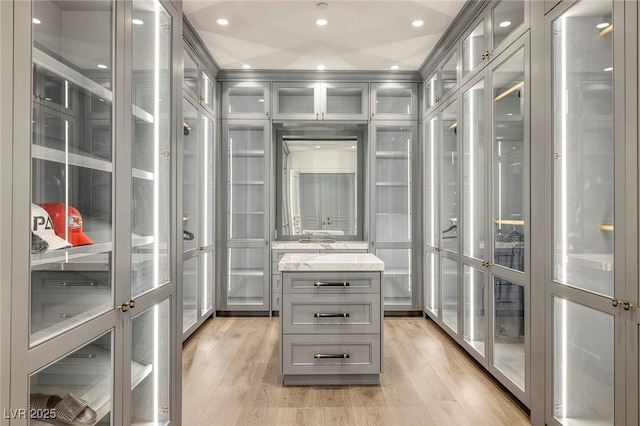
{"x":245,"y":276}
{"x":190,"y":284}
{"x":474,"y":308}
{"x":209,"y":182}
{"x":190,"y":72}
{"x":246,"y":98}
{"x":473,"y":146}
{"x":508,"y":15}
{"x":583,"y":217}
{"x":208,"y":91}
{"x":449,"y":73}
{"x":81,"y":379}
{"x":344,"y":100}
{"x":396,"y":280}
{"x":509,"y":331}
{"x":297,"y":100}
{"x":190,"y":178}
{"x":150,"y":366}
{"x":72,"y":169}
{"x":430,"y":92}
{"x":151,"y":155}
{"x":449,"y":178}
{"x":431,"y":231}
{"x":393,"y":183}
{"x":508,"y":163}
{"x":473,"y":49}
{"x":583,"y":364}
{"x":395,"y":99}
{"x":207,"y":282}
{"x":432,"y":281}
{"x":246,"y":197}
{"x":449,"y":288}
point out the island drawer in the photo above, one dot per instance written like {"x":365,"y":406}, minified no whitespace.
{"x":331,"y":354}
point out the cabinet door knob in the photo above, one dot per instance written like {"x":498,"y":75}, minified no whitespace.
{"x":323,"y":115}
{"x":124,"y":307}
{"x":615,"y":302}
{"x":317,"y":116}
{"x":627,"y":306}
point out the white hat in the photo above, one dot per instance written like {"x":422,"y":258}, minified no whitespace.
{"x":42,"y":226}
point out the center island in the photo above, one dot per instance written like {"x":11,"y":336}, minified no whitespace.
{"x":331,"y":319}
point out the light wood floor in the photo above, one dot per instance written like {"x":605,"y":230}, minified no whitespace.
{"x":230,"y":377}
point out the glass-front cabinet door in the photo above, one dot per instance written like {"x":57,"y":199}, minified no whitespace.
{"x":449,"y":75}
{"x":151,"y":312}
{"x":474,"y":194}
{"x":430,"y":224}
{"x":344,"y":101}
{"x":394,"y":101}
{"x":584,"y":293}
{"x":430,"y":93}
{"x":246,"y":99}
{"x":474,"y":53}
{"x":509,"y":188}
{"x":393,"y":165}
{"x":296,"y":101}
{"x":247,"y":196}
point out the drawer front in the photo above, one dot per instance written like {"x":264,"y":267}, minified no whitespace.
{"x":330,"y":354}
{"x":331,"y":282}
{"x":70,"y":282}
{"x":50,"y":309}
{"x":331,"y":313}
{"x":276,"y":301}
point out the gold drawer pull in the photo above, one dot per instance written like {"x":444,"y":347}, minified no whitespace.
{"x":336,"y":315}
{"x":331,"y":356}
{"x":330,"y":284}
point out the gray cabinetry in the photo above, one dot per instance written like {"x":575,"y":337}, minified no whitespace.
{"x":246,"y":100}
{"x":394,"y":101}
{"x":198,"y":170}
{"x":320,"y":101}
{"x":92,"y":282}
{"x":245,"y":262}
{"x":331,"y":321}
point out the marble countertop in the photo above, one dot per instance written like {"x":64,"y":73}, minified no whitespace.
{"x":343,"y":245}
{"x":330,"y":262}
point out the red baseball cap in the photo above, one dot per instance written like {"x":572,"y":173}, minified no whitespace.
{"x":67,"y":222}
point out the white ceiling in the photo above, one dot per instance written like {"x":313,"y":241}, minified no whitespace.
{"x":283,"y":35}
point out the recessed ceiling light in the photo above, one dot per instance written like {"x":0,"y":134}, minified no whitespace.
{"x":504,"y":24}
{"x":395,"y":67}
{"x":260,"y":100}
{"x":36,"y":21}
{"x":509,"y":113}
{"x":603,"y":25}
{"x":322,"y":5}
{"x":222,"y":21}
{"x":417,"y":23}
{"x":137,"y":21}
{"x":317,"y":146}
{"x":320,"y":67}
{"x":102,"y":67}
{"x":353,"y":146}
{"x":322,"y":22}
{"x":609,"y":69}
{"x":246,"y":66}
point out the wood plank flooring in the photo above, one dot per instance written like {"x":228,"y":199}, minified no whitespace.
{"x":230,"y":377}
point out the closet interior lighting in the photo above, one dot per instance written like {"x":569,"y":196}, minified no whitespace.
{"x":508,"y":91}
{"x":606,"y":30}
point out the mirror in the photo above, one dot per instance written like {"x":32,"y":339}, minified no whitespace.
{"x":320,"y":188}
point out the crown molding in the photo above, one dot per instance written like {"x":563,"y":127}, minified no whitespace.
{"x":307,"y":75}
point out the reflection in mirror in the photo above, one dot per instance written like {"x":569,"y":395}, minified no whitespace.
{"x":319,"y":187}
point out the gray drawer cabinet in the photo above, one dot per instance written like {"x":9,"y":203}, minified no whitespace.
{"x":331,"y":325}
